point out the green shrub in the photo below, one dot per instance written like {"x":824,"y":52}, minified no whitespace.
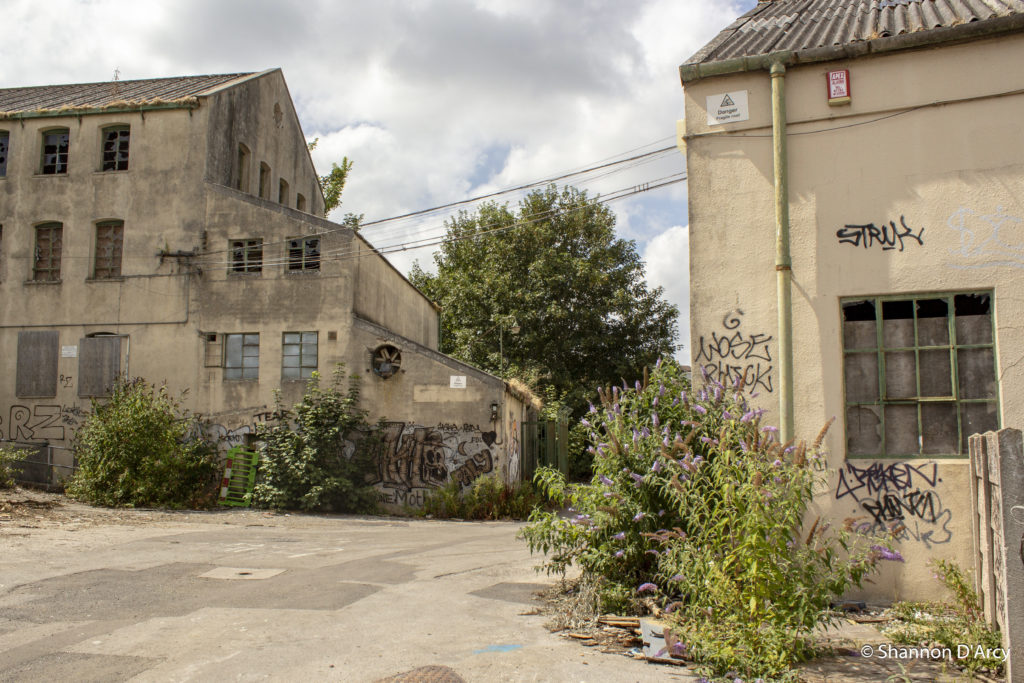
{"x":139,"y":449}
{"x":8,"y":456}
{"x":935,"y":624}
{"x":695,"y":507}
{"x":319,"y":455}
{"x":486,"y":498}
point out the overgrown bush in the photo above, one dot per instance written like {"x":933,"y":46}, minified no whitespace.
{"x":695,"y":508}
{"x":952,"y":626}
{"x":318,"y":455}
{"x":139,"y":448}
{"x":8,"y":456}
{"x":486,"y":498}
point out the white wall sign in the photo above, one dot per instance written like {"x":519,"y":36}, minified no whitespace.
{"x":457,"y":382}
{"x":728,"y":107}
{"x":69,"y":352}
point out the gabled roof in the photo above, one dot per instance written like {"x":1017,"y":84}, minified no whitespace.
{"x":797,"y":25}
{"x":110,"y":93}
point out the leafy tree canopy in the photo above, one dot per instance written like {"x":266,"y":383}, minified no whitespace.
{"x":554,"y":269}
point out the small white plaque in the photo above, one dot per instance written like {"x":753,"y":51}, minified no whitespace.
{"x":69,"y":352}
{"x":457,"y":382}
{"x":728,"y":107}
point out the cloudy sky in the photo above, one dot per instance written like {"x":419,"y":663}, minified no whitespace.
{"x":434,"y":100}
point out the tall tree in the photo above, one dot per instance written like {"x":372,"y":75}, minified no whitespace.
{"x":555,"y":270}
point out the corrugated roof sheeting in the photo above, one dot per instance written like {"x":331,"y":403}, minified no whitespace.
{"x":105,"y":94}
{"x":805,"y":24}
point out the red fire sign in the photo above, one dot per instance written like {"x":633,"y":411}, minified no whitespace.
{"x":839,"y":86}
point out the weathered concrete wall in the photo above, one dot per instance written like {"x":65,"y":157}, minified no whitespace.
{"x":385,"y":297}
{"x":944,"y":181}
{"x":440,"y":425}
{"x":259,"y":114}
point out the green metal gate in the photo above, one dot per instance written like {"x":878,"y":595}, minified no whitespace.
{"x":545,"y":444}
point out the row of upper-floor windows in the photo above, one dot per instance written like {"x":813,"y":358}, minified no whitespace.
{"x":48,"y":250}
{"x":55,"y":150}
{"x":264,"y":187}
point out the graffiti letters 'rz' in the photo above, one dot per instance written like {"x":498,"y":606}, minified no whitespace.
{"x":888,"y":237}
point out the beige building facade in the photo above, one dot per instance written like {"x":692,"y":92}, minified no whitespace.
{"x":906,"y":247}
{"x":173,"y":229}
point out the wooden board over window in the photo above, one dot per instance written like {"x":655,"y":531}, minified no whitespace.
{"x":99,"y":362}
{"x":37,"y":364}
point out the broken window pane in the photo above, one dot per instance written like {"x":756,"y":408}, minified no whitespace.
{"x":246,"y":255}
{"x":863,"y":430}
{"x":861,"y":373}
{"x":901,"y":437}
{"x":304,"y":253}
{"x":116,"y":141}
{"x":900,"y":374}
{"x":897,"y":324}
{"x":5,"y":138}
{"x":859,"y":326}
{"x":976,"y":372}
{"x":109,"y":245}
{"x":55,"y":152}
{"x":936,"y":373}
{"x":940,"y":429}
{"x":973,"y":319}
{"x":933,"y":322}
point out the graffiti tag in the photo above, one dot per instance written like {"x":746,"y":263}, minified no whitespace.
{"x":888,"y":237}
{"x":732,"y":355}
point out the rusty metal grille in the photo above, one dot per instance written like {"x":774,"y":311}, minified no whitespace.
{"x":46,"y":264}
{"x":109,"y":242}
{"x":116,"y":140}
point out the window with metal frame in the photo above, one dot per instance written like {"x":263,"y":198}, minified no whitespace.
{"x":5,"y":140}
{"x":116,"y":142}
{"x":242,"y":356}
{"x":56,"y":144}
{"x":304,"y":253}
{"x":919,"y":374}
{"x":246,"y":255}
{"x":298,"y":355}
{"x":46,"y":260}
{"x":109,"y":244}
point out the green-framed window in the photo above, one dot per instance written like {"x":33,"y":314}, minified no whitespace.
{"x":242,"y":356}
{"x":298,"y":355}
{"x":919,"y":374}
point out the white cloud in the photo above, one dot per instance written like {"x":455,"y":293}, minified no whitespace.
{"x":668,"y":265}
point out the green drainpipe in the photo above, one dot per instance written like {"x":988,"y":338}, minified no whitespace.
{"x":783,"y":262}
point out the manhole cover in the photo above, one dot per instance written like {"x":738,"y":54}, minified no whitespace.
{"x":426,"y":674}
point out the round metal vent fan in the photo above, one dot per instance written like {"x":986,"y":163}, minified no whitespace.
{"x":387,"y":360}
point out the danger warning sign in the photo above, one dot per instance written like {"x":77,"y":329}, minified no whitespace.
{"x":727,"y":107}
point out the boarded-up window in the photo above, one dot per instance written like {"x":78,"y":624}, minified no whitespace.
{"x":116,"y":140}
{"x":264,"y":188}
{"x":109,"y":242}
{"x":99,"y":363}
{"x":919,"y":374}
{"x":37,"y":364}
{"x":46,"y":261}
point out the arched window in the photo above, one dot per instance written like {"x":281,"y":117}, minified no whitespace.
{"x":56,"y":144}
{"x":264,"y":181}
{"x":242,"y":171}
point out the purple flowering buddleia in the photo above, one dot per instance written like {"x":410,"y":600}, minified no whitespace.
{"x":592,"y":409}
{"x":585,"y":422}
{"x":636,"y":477}
{"x":655,"y":420}
{"x":747,"y":416}
{"x":743,"y":445}
{"x":638,"y":385}
{"x":655,"y":402}
{"x":646,"y":432}
{"x":661,"y":388}
{"x":647,"y":588}
{"x":887,"y":554}
{"x":770,"y":429}
{"x":656,"y":467}
{"x":620,"y":536}
{"x":701,"y":409}
{"x":638,"y":516}
{"x":726,"y":415}
{"x":605,"y":480}
{"x":620,"y":553}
